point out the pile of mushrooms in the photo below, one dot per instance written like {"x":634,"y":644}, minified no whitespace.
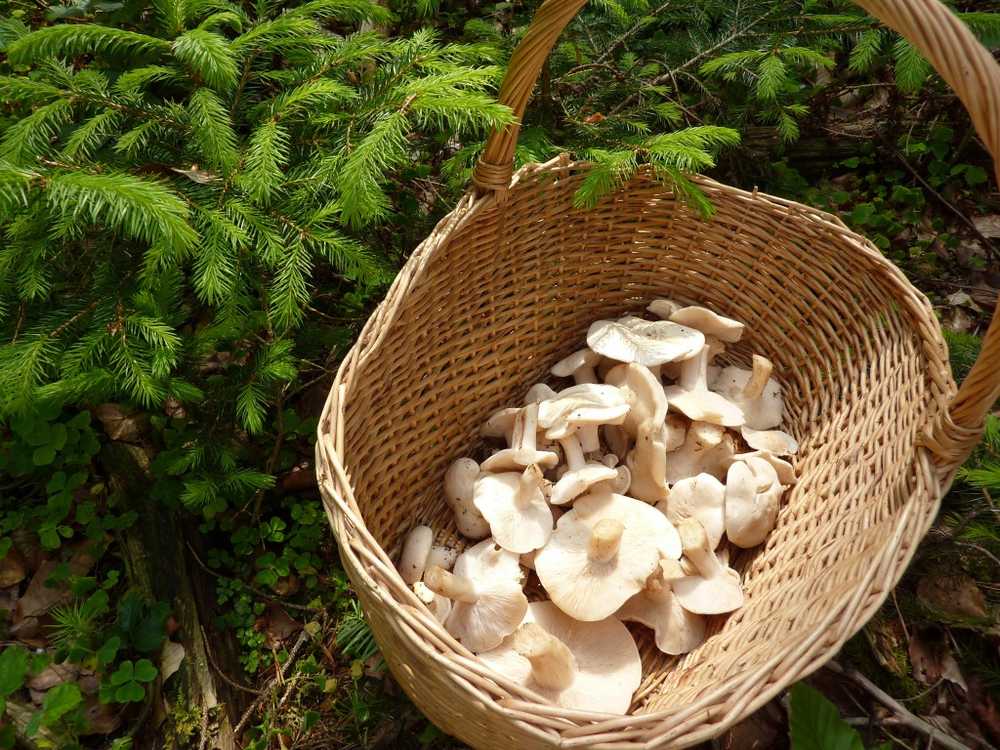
{"x":623,"y":493}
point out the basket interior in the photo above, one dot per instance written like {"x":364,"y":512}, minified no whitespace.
{"x":514,"y":289}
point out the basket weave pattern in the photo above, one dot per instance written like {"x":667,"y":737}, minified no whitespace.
{"x":506,"y":285}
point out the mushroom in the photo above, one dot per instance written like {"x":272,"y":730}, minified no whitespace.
{"x":754,"y":392}
{"x":523,"y":451}
{"x":485,"y":589}
{"x":616,"y":439}
{"x":647,"y":462}
{"x":702,"y":497}
{"x":620,"y":484}
{"x":416,"y":549}
{"x":537,"y":393}
{"x":514,"y":506}
{"x":642,"y":391}
{"x":582,"y":408}
{"x":443,"y":557}
{"x":458,"y":487}
{"x":753,"y":496}
{"x":707,"y":449}
{"x":610,"y":460}
{"x":677,"y":428}
{"x":785,"y":471}
{"x":692,"y":397}
{"x":663,"y":308}
{"x":647,"y":342}
{"x":775,"y":441}
{"x":440,"y":606}
{"x":677,"y":630}
{"x":527,"y":559}
{"x":601,"y":553}
{"x":590,"y":666}
{"x":709,"y":323}
{"x":501,"y":425}
{"x":581,"y":474}
{"x":580,"y":365}
{"x":716,"y":588}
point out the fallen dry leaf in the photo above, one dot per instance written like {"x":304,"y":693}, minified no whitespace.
{"x":984,"y":708}
{"x":956,"y":595}
{"x":102,"y":718}
{"x":120,"y":424}
{"x":988,"y":226}
{"x":932,"y":659}
{"x":170,"y":658}
{"x":278,"y":626}
{"x":54,"y":674}
{"x":39,"y":598}
{"x":13,"y":568}
{"x":888,"y":639}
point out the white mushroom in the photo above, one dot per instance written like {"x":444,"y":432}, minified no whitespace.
{"x":677,"y":428}
{"x":523,"y":452}
{"x":443,"y":557}
{"x":709,"y":323}
{"x":602,"y":552}
{"x":501,"y":425}
{"x":702,"y":497}
{"x":485,"y":589}
{"x":581,"y":474}
{"x":416,"y":549}
{"x":537,"y":393}
{"x":458,"y":486}
{"x":785,"y":471}
{"x":715,"y":589}
{"x":643,"y":393}
{"x":582,"y":408}
{"x":753,"y":496}
{"x":440,"y":606}
{"x":754,"y":392}
{"x":619,"y":485}
{"x":580,"y":365}
{"x":692,"y":397}
{"x":647,"y":462}
{"x":514,"y":506}
{"x":616,"y":439}
{"x":647,"y":342}
{"x":663,"y":308}
{"x":677,"y":630}
{"x":589,"y":666}
{"x":775,"y":441}
{"x":707,"y":449}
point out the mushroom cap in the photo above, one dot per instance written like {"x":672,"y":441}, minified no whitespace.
{"x":774,"y":441}
{"x":496,"y":577}
{"x":416,"y":549}
{"x":677,"y":630}
{"x":519,"y":524}
{"x":647,"y":463}
{"x":608,"y":667}
{"x":642,"y":391}
{"x":589,"y":589}
{"x":537,"y":393}
{"x":440,"y":606}
{"x":648,"y":342}
{"x":575,"y":483}
{"x":707,"y":449}
{"x":704,"y":406}
{"x":784,"y":470}
{"x":709,"y":323}
{"x":702,"y":497}
{"x":459,"y":481}
{"x":500,"y":424}
{"x":443,"y":557}
{"x":677,"y":428}
{"x":753,"y":496}
{"x":663,"y":308}
{"x":582,"y":358}
{"x":761,"y":413}
{"x":515,"y":459}
{"x":716,"y":588}
{"x":584,"y":404}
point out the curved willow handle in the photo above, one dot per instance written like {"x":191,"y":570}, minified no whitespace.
{"x":957,"y":56}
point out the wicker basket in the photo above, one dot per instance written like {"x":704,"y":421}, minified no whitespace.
{"x":507,"y":284}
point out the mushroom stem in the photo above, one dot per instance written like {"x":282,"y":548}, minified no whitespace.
{"x":585,"y":374}
{"x":605,"y":538}
{"x":694,"y":372}
{"x":529,"y":426}
{"x":589,"y":439}
{"x":449,"y":585}
{"x":656,"y":370}
{"x":528,"y":486}
{"x":762,"y":367}
{"x":552,"y":663}
{"x":573,"y":451}
{"x":694,"y":542}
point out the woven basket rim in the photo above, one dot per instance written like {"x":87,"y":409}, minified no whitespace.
{"x":740,"y":693}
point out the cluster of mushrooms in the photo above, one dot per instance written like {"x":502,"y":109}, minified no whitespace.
{"x":618,"y":492}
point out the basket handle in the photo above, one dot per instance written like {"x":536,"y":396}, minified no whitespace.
{"x":948,"y":45}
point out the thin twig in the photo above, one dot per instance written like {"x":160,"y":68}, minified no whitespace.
{"x":636,"y":28}
{"x":903,"y":715}
{"x":225,"y":678}
{"x":979,"y":548}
